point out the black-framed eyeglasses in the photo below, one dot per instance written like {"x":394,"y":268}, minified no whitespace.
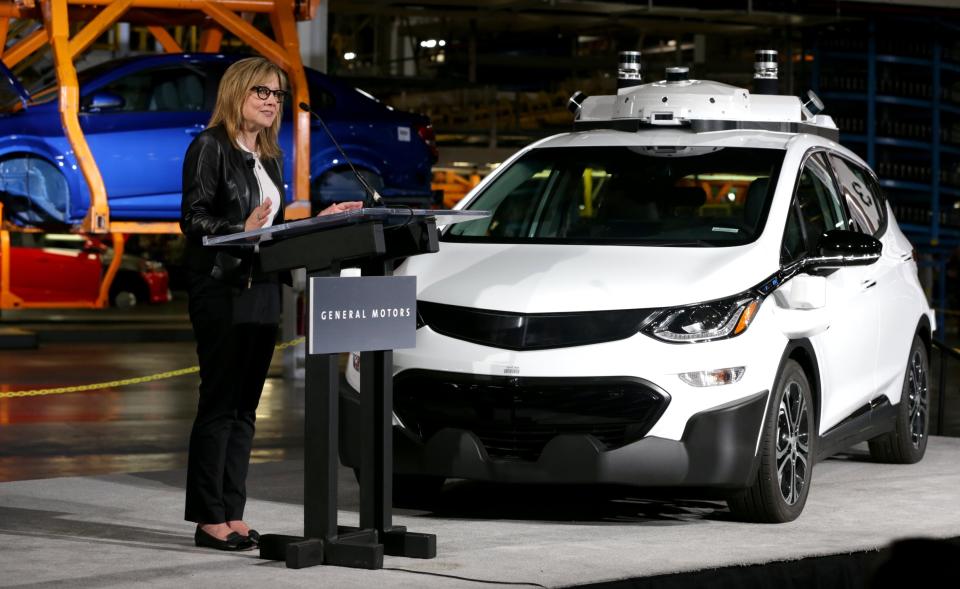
{"x":263,"y":93}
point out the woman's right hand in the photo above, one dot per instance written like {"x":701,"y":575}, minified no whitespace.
{"x":259,"y":216}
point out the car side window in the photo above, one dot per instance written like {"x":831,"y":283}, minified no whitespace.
{"x":321,"y":98}
{"x":793,"y":247}
{"x":168,"y":89}
{"x":25,"y":239}
{"x":862,"y":196}
{"x":817,"y":202}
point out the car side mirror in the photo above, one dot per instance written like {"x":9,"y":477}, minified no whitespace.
{"x":839,"y":248}
{"x":102,"y":101}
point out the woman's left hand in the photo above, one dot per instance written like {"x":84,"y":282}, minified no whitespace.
{"x":341,"y":207}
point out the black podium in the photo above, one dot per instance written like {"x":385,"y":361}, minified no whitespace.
{"x":371,"y":239}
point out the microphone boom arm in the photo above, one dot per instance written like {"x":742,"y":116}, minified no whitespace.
{"x":373,"y":194}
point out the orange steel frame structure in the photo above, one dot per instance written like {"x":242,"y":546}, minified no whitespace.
{"x":9,"y":300}
{"x":234,"y":16}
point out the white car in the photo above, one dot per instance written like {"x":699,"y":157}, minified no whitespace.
{"x":697,"y":287}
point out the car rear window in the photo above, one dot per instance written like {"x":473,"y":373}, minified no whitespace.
{"x":670,"y":196}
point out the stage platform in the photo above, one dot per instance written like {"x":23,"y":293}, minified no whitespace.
{"x":125,"y":530}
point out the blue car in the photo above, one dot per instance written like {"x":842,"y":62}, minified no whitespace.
{"x":139,"y":114}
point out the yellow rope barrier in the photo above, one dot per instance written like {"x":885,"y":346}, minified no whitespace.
{"x":123,"y":382}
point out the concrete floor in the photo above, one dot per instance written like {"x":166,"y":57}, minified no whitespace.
{"x":91,"y":496}
{"x":123,"y":429}
{"x":124,"y":530}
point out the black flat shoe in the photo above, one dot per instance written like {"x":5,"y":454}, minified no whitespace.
{"x":234,"y":542}
{"x":254,"y":536}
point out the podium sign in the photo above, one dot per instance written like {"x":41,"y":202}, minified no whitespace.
{"x":364,"y":313}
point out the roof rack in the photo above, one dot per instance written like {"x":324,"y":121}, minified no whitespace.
{"x":702,"y":106}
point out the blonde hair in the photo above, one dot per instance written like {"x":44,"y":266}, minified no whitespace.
{"x":234,"y":88}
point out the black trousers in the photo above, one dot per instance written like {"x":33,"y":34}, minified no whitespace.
{"x":234,"y":357}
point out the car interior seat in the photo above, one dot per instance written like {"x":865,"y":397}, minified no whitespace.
{"x":182,"y":93}
{"x":509,"y":218}
{"x":165,"y":97}
{"x":679,"y":200}
{"x":756,"y":198}
{"x":191,"y":93}
{"x":626,"y":209}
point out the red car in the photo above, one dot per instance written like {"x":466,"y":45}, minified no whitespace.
{"x":67,"y":268}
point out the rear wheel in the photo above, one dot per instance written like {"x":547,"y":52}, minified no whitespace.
{"x":786,"y":454}
{"x":341,"y":185}
{"x":128,"y":290}
{"x":125,"y":299}
{"x":907,"y":443}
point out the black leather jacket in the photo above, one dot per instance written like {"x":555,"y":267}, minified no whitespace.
{"x":220,"y":191}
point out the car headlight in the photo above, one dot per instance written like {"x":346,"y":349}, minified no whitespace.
{"x":705,"y":322}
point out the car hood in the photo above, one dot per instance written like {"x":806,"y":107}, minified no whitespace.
{"x":563,"y":278}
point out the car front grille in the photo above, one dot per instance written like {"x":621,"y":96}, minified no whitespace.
{"x":531,"y":331}
{"x":515,"y":418}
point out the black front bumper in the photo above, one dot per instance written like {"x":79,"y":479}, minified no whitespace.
{"x":717,"y":449}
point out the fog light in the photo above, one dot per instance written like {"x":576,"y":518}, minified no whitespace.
{"x":712,"y":378}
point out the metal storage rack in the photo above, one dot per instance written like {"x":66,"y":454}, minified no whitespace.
{"x":894,"y":89}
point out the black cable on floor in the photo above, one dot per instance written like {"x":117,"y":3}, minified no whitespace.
{"x":489,"y":582}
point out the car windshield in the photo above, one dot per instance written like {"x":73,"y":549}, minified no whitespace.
{"x":43,"y":88}
{"x":665,"y":196}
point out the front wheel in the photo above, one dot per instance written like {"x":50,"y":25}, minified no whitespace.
{"x":907,"y":443}
{"x":786,"y":454}
{"x":413,"y":490}
{"x":410,"y":490}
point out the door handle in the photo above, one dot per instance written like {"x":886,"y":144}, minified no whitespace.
{"x":868,"y":284}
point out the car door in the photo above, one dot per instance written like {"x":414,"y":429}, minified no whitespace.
{"x":892,"y":294}
{"x":846,"y":351}
{"x":139,"y":143}
{"x":46,"y":268}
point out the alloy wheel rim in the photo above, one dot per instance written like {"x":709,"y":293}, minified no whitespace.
{"x":793,"y":443}
{"x":917,"y":394}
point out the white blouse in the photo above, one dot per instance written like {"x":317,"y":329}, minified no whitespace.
{"x":267,"y":188}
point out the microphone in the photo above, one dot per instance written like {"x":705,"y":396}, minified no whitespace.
{"x":374,"y":196}
{"x":250,"y":162}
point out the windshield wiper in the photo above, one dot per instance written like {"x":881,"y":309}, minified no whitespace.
{"x":688,"y":243}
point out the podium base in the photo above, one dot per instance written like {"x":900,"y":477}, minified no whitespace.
{"x":397,"y":541}
{"x":353,"y":547}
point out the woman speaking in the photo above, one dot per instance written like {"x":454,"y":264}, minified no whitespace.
{"x":232,"y":182}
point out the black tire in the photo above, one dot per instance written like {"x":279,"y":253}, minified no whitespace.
{"x":127,"y":291}
{"x":413,"y":490}
{"x":907,"y":443}
{"x":786,"y":454}
{"x":124,"y":299}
